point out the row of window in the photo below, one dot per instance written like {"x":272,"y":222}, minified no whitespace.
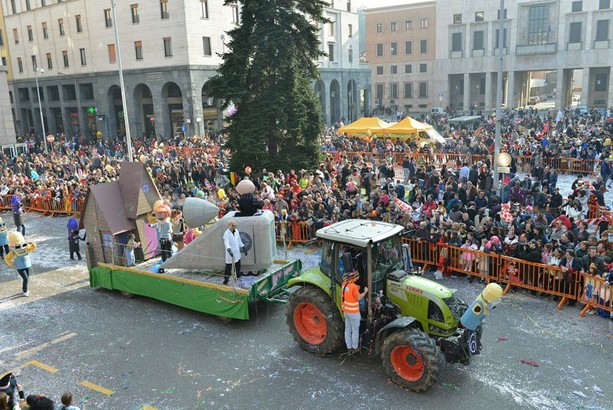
{"x":45,"y":29}
{"x":408,"y":69}
{"x":408,"y":25}
{"x":408,"y":48}
{"x":577,"y":6}
{"x":422,"y":90}
{"x":138,"y":51}
{"x":478,"y":40}
{"x":53,"y":93}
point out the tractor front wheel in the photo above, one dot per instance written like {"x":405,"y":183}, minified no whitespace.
{"x":314,"y":321}
{"x":412,"y":359}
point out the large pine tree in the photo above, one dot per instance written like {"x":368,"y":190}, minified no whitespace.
{"x":267,"y":73}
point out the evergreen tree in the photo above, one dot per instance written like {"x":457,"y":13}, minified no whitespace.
{"x":267,"y":74}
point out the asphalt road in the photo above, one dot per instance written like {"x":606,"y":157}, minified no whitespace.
{"x":119,"y":353}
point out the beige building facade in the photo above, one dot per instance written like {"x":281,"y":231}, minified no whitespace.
{"x":401,"y":47}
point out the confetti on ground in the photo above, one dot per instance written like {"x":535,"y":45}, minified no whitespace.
{"x":529,"y":362}
{"x":450,"y":386}
{"x":502,"y":338}
{"x":580,"y":394}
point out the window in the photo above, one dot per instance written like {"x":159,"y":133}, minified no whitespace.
{"x":331,"y":51}
{"x":379,"y":27}
{"x":379,"y":70}
{"x":134,"y":13}
{"x":206,"y":46}
{"x":408,"y":68}
{"x":394,"y":69}
{"x":43,"y":3}
{"x":350,"y":29}
{"x":83,"y":56}
{"x":600,"y":82}
{"x":423,"y":46}
{"x":379,"y":50}
{"x":456,"y":42}
{"x":49,"y":61}
{"x":138,"y":50}
{"x":482,"y":86}
{"x":1,"y":38}
{"x":65,"y":56}
{"x":574,"y":35}
{"x":504,"y":14}
{"x":478,"y":40}
{"x":87,"y":91}
{"x":538,"y":24}
{"x":30,"y":34}
{"x":394,"y":49}
{"x":423,"y":89}
{"x":60,"y":26}
{"x":604,"y":4}
{"x":379,"y":94}
{"x":45,"y":31}
{"x":407,"y":24}
{"x":394,"y":26}
{"x":577,"y":6}
{"x":423,"y":23}
{"x":167,"y":47}
{"x":423,"y":68}
{"x":479,"y":16}
{"x":235,"y":15}
{"x":394,"y":90}
{"x":34,"y":63}
{"x":348,"y":5}
{"x":331,"y":28}
{"x":602,"y":30}
{"x":408,"y":90}
{"x":408,"y":47}
{"x":79,"y":24}
{"x":457,"y":19}
{"x":164,"y":9}
{"x":204,"y":6}
{"x":4,"y":64}
{"x":28,"y":5}
{"x":112,"y":53}
{"x":108,"y":20}
{"x":350,"y":55}
{"x":16,"y":35}
{"x":13,"y":6}
{"x":20,"y":64}
{"x":504,"y":38}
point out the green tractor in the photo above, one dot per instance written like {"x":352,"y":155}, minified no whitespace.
{"x":412,"y":322}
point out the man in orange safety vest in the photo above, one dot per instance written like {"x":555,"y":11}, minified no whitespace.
{"x":351,"y":297}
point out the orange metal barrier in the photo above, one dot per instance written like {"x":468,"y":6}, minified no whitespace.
{"x":472,"y":262}
{"x":65,"y":206}
{"x":596,"y":294}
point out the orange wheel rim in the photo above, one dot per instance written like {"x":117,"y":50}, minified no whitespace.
{"x":407,"y":363}
{"x":310,"y":323}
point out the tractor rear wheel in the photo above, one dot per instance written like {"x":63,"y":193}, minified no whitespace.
{"x":314,"y":321}
{"x":412,"y":359}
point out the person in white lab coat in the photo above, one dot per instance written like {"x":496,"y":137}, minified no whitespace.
{"x":234,"y":247}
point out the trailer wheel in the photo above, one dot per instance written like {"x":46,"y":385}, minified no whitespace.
{"x":314,"y":321}
{"x":412,"y":359}
{"x":127,"y":295}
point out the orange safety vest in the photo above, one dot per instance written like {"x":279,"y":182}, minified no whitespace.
{"x":350,"y":298}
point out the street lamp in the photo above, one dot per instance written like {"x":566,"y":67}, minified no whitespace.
{"x":122,"y":85}
{"x":497,"y":138}
{"x":40,"y":106}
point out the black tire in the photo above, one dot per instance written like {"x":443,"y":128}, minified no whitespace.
{"x":412,"y":359}
{"x":314,"y":321}
{"x":224,"y":320}
{"x":127,"y":295}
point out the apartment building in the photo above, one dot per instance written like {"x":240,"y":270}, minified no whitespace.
{"x":169,"y":49}
{"x":401,"y":45}
{"x":7,"y":124}
{"x":565,"y":38}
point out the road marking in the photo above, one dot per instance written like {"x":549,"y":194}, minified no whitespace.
{"x":40,"y":365}
{"x":26,"y":353}
{"x":96,"y":387}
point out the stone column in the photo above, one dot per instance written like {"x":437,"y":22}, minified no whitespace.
{"x":511,"y":101}
{"x":466,"y":96}
{"x":159,"y":110}
{"x":610,"y":89}
{"x":489,"y":91}
{"x":328,"y":108}
{"x":585,"y":87}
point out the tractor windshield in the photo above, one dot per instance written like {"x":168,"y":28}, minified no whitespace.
{"x":388,"y":252}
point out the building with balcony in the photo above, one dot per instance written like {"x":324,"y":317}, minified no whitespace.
{"x":400,"y":47}
{"x":569,"y":40}
{"x":7,"y":123}
{"x":169,"y":49}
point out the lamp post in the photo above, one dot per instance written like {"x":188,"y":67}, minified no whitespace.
{"x":122,"y":85}
{"x":499,"y":93}
{"x":40,"y":107}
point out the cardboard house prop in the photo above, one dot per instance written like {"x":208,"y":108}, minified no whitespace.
{"x":114,"y":209}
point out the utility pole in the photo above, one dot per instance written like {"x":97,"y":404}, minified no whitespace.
{"x":40,"y":107}
{"x":122,"y":86}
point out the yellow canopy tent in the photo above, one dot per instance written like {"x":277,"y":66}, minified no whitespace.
{"x":365,"y":127}
{"x":410,"y":128}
